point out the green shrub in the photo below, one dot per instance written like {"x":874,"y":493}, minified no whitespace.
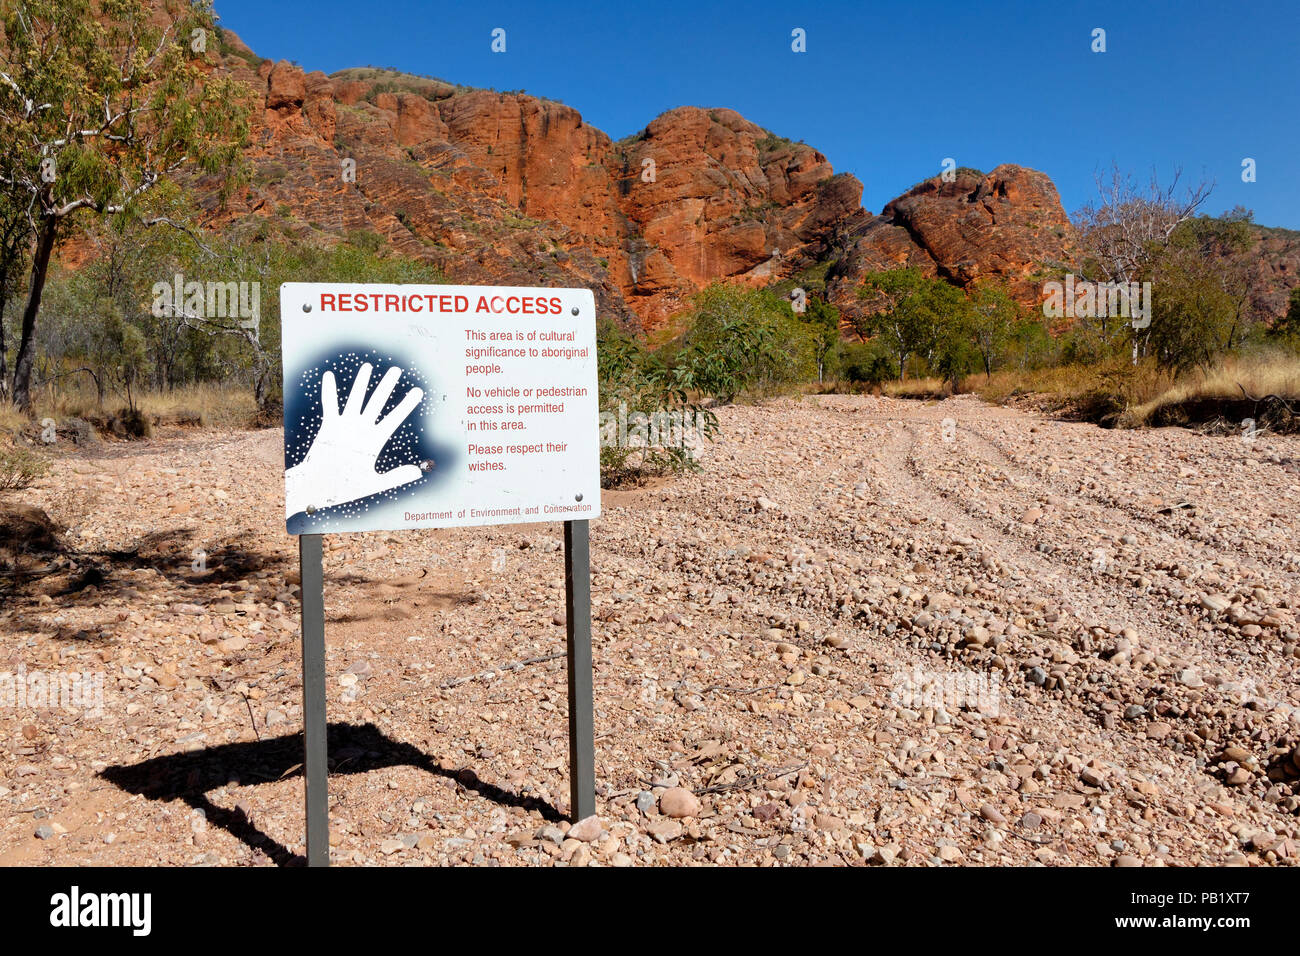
{"x":743,"y":341}
{"x":638,"y":392}
{"x":19,"y":467}
{"x":866,"y":364}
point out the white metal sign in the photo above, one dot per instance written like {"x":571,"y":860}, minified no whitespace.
{"x":430,"y":406}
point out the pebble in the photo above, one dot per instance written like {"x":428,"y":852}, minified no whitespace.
{"x":664,"y":830}
{"x":587,"y":830}
{"x":1215,"y":602}
{"x":678,"y":802}
{"x":552,"y":833}
{"x":884,"y":855}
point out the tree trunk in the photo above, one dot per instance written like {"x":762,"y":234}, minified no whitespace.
{"x":27,"y":344}
{"x":4,"y":361}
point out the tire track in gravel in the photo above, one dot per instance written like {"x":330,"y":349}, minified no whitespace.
{"x":1266,"y":677}
{"x":778,"y":534}
{"x":1179,"y":635}
{"x":886,"y":455}
{"x":893,"y":495}
{"x":890,"y":654}
{"x":1087,"y":505}
{"x":1069,"y":706}
{"x":1278,"y":564}
{"x":917,"y":494}
{"x":1171,"y":632}
{"x":895,"y":466}
{"x":1007,"y":546}
{"x":1123,"y":596}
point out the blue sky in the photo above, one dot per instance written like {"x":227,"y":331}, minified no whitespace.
{"x":886,"y":91}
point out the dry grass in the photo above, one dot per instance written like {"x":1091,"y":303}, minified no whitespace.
{"x":1091,"y":392}
{"x":1129,"y":396}
{"x":11,"y":420}
{"x":19,"y":467}
{"x":206,"y":404}
{"x":917,"y":388}
{"x":1235,"y":384}
{"x":1066,"y":382}
{"x":225,"y":406}
{"x":1127,"y":384}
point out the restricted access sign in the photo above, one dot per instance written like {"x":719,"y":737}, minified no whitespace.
{"x":430,"y":406}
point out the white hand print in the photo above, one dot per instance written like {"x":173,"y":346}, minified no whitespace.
{"x":340,"y":465}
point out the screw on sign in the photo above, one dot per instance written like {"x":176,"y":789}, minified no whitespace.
{"x":420,"y":406}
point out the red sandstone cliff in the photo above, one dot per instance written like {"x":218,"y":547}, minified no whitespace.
{"x":1004,"y":226}
{"x":503,"y":187}
{"x":509,"y":188}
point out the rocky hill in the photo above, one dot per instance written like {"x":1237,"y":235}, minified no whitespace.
{"x":508,"y":188}
{"x":1278,"y":252}
{"x":1005,"y":225}
{"x":505,"y":187}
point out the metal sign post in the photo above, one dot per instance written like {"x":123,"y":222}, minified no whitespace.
{"x":314,"y":726}
{"x":582,"y":738}
{"x":577,"y":617}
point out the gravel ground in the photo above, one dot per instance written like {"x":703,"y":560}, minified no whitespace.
{"x":869,"y":632}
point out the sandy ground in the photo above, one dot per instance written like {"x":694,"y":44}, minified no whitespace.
{"x":869,"y":632}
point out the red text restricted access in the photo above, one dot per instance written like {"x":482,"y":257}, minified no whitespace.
{"x":447,"y":304}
